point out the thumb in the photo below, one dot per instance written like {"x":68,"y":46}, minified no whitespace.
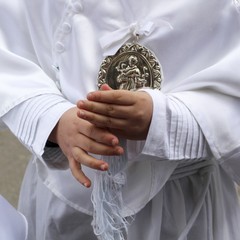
{"x":105,"y":87}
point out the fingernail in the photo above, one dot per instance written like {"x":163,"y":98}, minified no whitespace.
{"x":86,"y":185}
{"x":104,"y":167}
{"x":89,"y":95}
{"x":120,"y":151}
{"x":114,"y":142}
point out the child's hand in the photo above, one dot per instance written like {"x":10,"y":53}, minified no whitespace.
{"x":124,"y":113}
{"x":79,"y":138}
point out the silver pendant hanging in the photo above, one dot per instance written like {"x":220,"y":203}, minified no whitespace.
{"x":131,"y":68}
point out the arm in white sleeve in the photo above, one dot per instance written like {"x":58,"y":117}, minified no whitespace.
{"x":174,"y":134}
{"x":33,"y":120}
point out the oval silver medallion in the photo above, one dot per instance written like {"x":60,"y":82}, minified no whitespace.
{"x":132,"y":67}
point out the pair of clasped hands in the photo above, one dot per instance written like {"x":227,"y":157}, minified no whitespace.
{"x":94,"y":125}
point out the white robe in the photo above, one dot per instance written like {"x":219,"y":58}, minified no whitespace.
{"x":55,"y":62}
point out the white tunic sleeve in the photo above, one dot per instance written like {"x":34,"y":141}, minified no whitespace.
{"x":25,"y":72}
{"x":174,"y":134}
{"x":33,"y":120}
{"x":31,"y":102}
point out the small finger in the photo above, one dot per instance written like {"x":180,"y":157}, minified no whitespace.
{"x":98,"y":134}
{"x":102,"y":121}
{"x":78,"y":173}
{"x":119,"y":97}
{"x":108,"y":109}
{"x":84,"y":158}
{"x":98,"y":140}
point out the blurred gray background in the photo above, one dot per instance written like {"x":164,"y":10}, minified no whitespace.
{"x":13,"y":160}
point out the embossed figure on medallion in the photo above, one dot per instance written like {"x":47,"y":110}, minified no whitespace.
{"x":131,"y":77}
{"x":127,"y":72}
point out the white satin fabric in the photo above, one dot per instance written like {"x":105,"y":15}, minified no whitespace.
{"x":59,"y":50}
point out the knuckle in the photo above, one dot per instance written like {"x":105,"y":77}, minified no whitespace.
{"x":77,"y":158}
{"x":90,"y":148}
{"x":92,"y":164}
{"x":110,"y":151}
{"x":140,"y":116}
{"x":78,"y":155}
{"x":91,"y":130}
{"x":110,"y":109}
{"x":90,"y":106}
{"x":117,"y":95}
{"x":109,"y":121}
